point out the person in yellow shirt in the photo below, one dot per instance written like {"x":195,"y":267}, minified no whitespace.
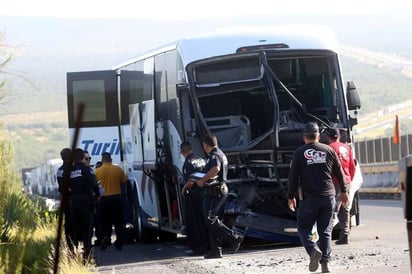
{"x":111,"y":178}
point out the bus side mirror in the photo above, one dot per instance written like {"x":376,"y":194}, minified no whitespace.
{"x":352,"y":96}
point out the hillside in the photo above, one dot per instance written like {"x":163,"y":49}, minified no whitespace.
{"x":390,"y":62}
{"x":36,"y":136}
{"x":381,"y":122}
{"x":35,"y":118}
{"x":382,"y":79}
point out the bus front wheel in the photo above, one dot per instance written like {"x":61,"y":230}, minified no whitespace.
{"x":143,"y":234}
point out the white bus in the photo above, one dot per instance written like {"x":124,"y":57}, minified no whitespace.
{"x":254,"y":89}
{"x":42,"y":180}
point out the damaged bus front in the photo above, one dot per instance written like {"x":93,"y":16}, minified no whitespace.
{"x":256,"y":102}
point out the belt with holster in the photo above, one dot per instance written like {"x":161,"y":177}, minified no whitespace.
{"x":216,"y":189}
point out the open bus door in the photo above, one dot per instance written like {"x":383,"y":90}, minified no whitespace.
{"x":153,"y":204}
{"x":142,"y":125}
{"x":97,"y":90}
{"x":148,"y":134}
{"x":154,"y":199}
{"x":138,"y":124}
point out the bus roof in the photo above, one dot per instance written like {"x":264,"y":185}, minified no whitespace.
{"x":227,"y":41}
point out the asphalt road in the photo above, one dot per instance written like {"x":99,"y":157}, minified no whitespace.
{"x":379,"y":245}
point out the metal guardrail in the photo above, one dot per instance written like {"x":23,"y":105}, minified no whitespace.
{"x":378,"y":160}
{"x":382,"y":150}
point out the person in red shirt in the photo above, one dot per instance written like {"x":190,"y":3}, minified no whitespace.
{"x":345,"y":156}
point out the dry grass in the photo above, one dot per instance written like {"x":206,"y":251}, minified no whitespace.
{"x":72,"y":263}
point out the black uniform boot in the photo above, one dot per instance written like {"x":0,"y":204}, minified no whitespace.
{"x":236,"y":243}
{"x":105,"y":243}
{"x":217,"y":254}
{"x":342,"y":240}
{"x":324,"y":266}
{"x":314,"y":259}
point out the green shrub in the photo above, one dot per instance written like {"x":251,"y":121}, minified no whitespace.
{"x":29,"y":238}
{"x":23,"y":249}
{"x":27,"y":229}
{"x":18,"y":212}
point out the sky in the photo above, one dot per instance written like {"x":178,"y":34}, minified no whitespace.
{"x":191,"y":9}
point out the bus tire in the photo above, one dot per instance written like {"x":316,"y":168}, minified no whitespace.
{"x":143,"y":234}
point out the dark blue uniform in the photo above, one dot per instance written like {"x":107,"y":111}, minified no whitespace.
{"x":312,"y":167}
{"x":196,"y":231}
{"x":68,"y":230}
{"x":213,"y":206}
{"x":82,"y":187}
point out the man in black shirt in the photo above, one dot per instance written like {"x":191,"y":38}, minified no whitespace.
{"x":214,"y":182}
{"x":193,"y":195}
{"x":310,"y":175}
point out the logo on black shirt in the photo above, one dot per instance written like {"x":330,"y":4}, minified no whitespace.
{"x":314,"y":156}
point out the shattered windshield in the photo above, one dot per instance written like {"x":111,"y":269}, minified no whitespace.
{"x":241,"y":101}
{"x":312,"y":81}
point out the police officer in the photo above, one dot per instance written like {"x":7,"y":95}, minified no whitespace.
{"x":310,"y":175}
{"x":68,"y":230}
{"x":214,"y":182}
{"x":82,"y":186}
{"x":193,"y":195}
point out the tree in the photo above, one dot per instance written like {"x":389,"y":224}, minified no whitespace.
{"x":5,"y":58}
{"x":5,"y":148}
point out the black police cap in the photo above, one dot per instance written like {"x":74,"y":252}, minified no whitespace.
{"x":311,"y":128}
